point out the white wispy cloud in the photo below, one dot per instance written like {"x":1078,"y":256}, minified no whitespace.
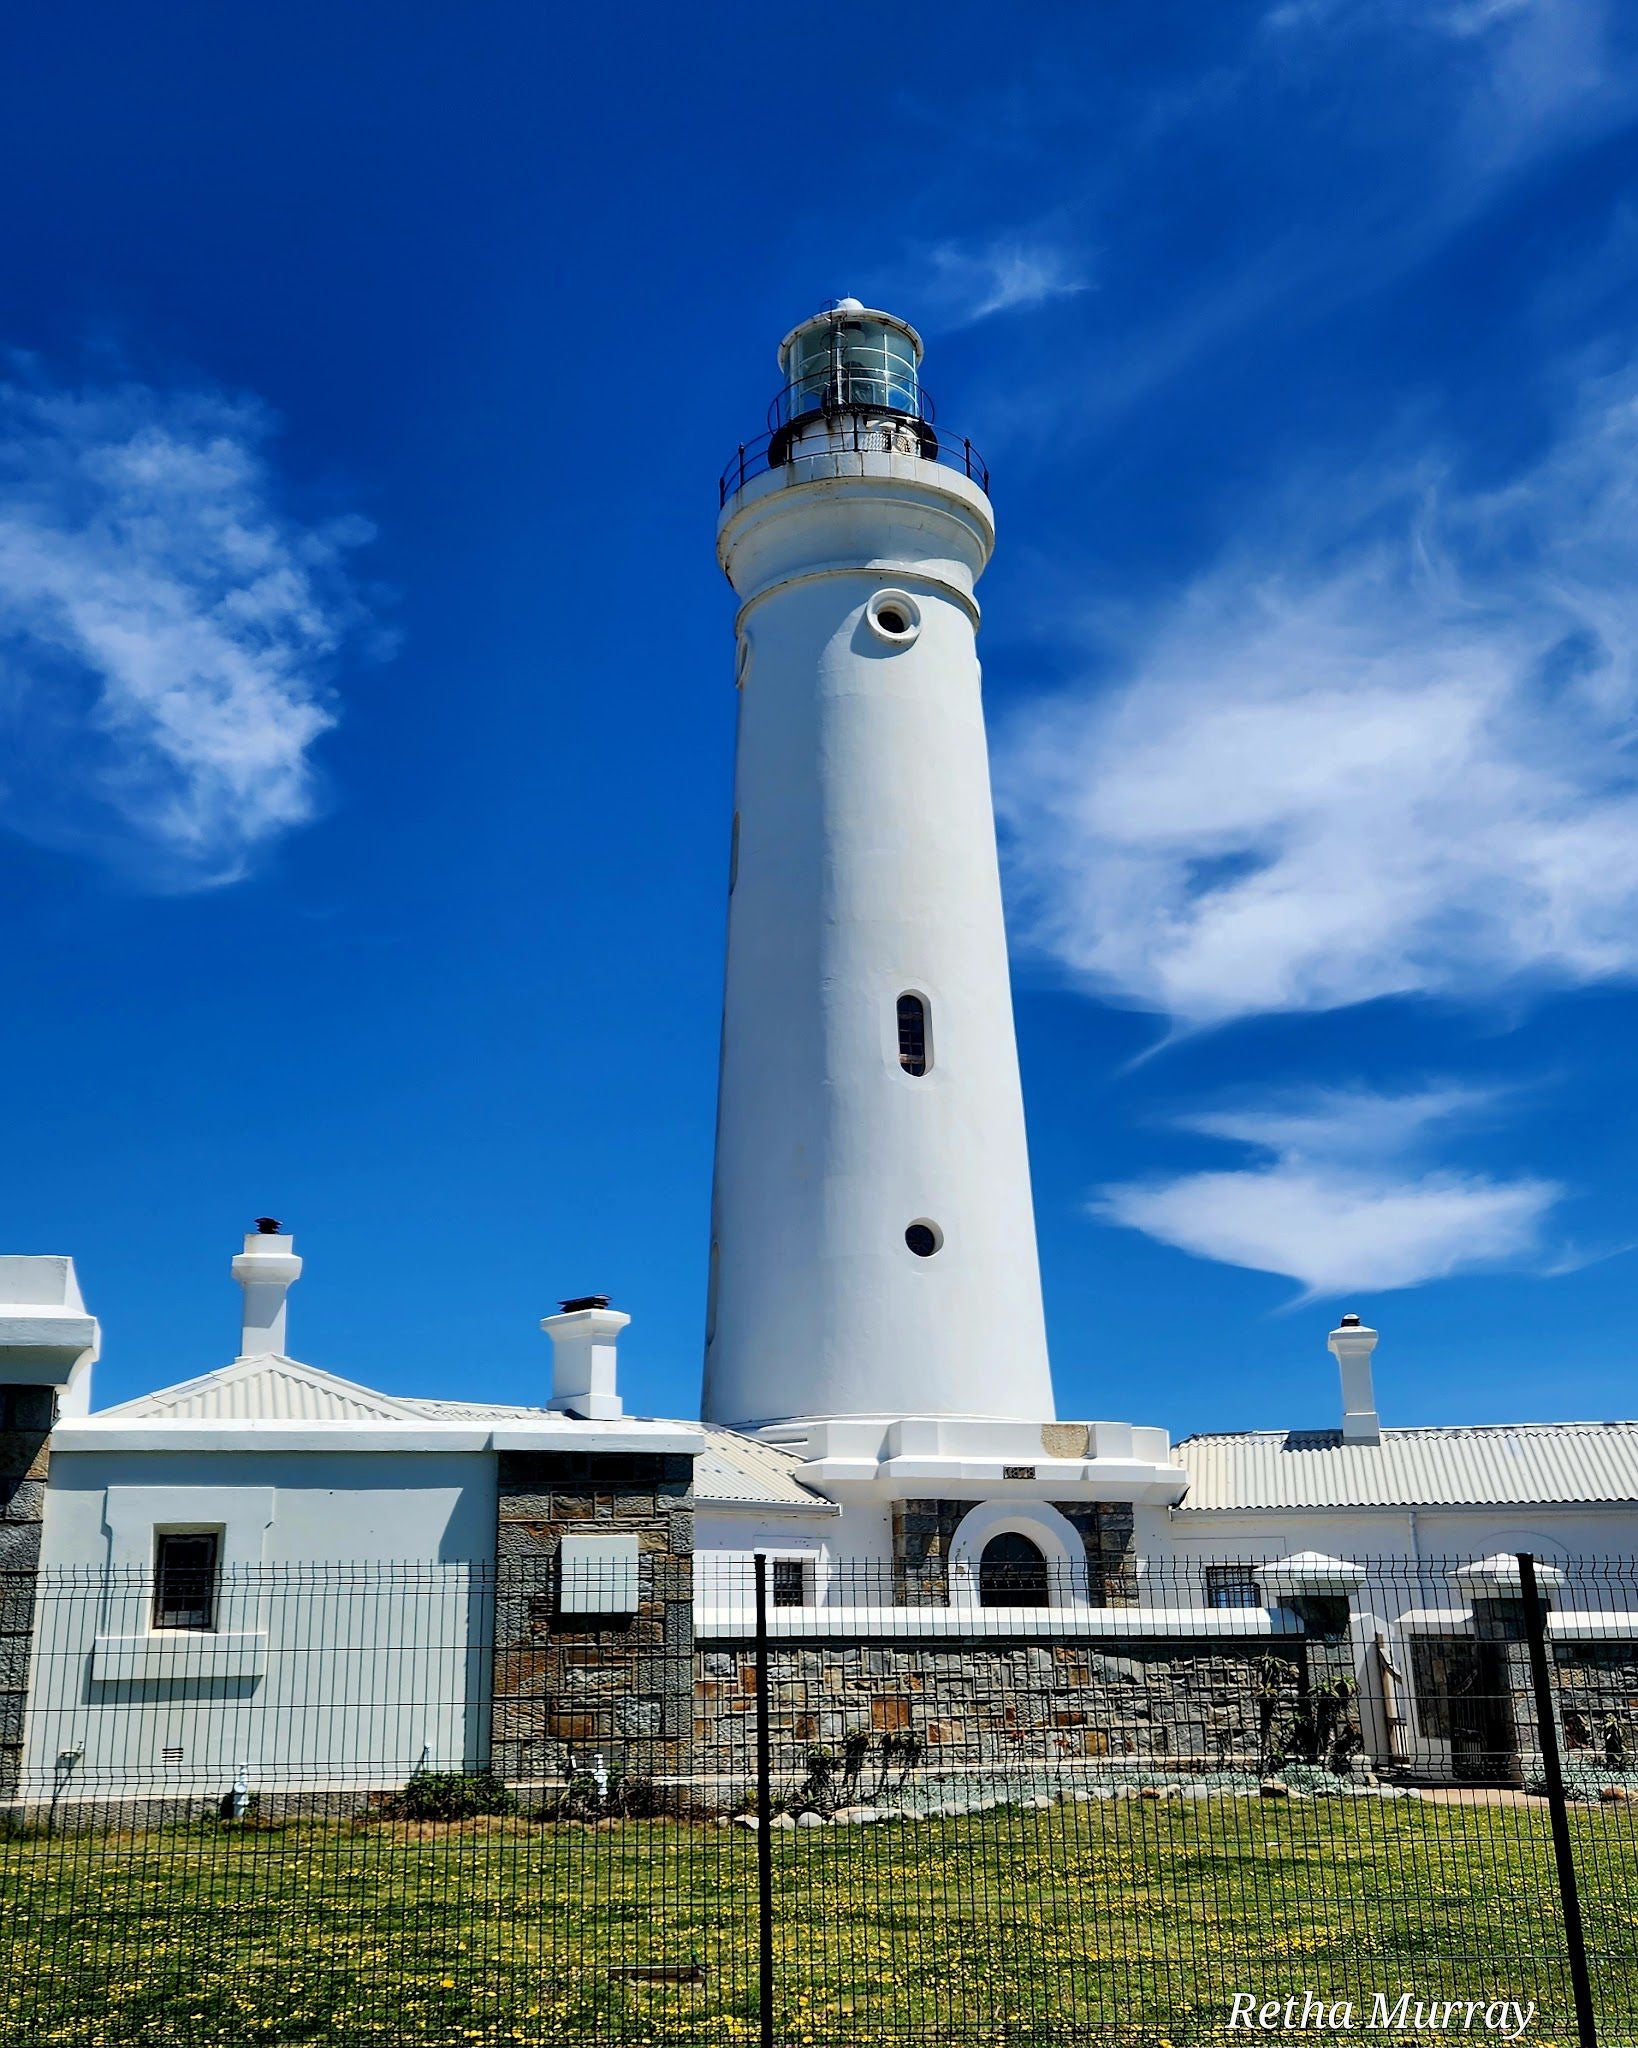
{"x":1387,"y":748}
{"x":1521,"y":77}
{"x":1340,"y":1197}
{"x":166,"y":629}
{"x":1449,"y":104}
{"x":967,"y":282}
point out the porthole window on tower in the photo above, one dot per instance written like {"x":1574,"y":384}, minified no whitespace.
{"x":924,"y":1238}
{"x":894,"y":616}
{"x":913,"y":1054}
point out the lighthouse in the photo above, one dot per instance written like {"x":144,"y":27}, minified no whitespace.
{"x":872,"y":1232}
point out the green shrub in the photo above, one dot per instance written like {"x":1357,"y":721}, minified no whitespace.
{"x":451,"y":1795}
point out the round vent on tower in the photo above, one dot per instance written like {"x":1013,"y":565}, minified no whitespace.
{"x":924,"y":1238}
{"x":894,"y":616}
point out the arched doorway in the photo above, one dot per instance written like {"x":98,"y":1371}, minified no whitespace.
{"x":1012,"y":1572}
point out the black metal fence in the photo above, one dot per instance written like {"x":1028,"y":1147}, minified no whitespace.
{"x":989,"y":1801}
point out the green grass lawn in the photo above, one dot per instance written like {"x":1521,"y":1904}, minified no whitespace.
{"x":1131,"y":1920}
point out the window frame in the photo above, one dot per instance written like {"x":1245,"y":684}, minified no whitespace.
{"x":1228,"y":1579}
{"x":161,"y":1610}
{"x":786,"y":1572}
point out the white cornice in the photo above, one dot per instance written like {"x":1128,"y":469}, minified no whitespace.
{"x":233,"y":1434}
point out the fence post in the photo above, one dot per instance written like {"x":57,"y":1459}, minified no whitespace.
{"x":764,"y":1814}
{"x":1535,"y":1627}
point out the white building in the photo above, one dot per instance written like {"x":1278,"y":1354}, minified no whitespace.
{"x":879,"y":1416}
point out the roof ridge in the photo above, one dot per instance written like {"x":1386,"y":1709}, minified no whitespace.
{"x":1405,"y":1429}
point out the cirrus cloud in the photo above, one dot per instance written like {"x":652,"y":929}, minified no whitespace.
{"x":971,"y":281}
{"x":167,"y":630}
{"x":1341,"y":1197}
{"x":1387,"y":748}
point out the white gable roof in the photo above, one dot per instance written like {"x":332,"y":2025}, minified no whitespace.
{"x":269,"y":1389}
{"x":285,"y":1389}
{"x":271,"y":1403}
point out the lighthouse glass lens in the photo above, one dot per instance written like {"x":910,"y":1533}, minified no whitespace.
{"x":854,"y":362}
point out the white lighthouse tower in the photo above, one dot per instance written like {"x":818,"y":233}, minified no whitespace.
{"x":873,"y":1239}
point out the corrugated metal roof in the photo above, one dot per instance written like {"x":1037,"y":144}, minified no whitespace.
{"x":270,"y":1389}
{"x":478,"y":1411}
{"x":735,"y":1469}
{"x":1500,"y":1465}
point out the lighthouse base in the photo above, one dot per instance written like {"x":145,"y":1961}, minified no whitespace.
{"x":980,"y":1457}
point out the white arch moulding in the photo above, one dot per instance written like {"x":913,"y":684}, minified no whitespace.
{"x":1052,"y":1533}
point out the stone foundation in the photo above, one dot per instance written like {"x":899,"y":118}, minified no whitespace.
{"x":974,"y":1703}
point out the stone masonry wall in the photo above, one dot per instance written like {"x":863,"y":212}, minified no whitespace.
{"x":26,"y":1417}
{"x":1596,"y":1689}
{"x":923,"y":1529}
{"x":975,"y":1703}
{"x":568,"y":1687}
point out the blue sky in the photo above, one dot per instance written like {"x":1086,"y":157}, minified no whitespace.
{"x":365,"y":672}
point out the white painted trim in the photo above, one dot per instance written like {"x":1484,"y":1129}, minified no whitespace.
{"x":735,"y":1619}
{"x":1434,"y":1621}
{"x":773,"y":1510}
{"x":598,"y":1574}
{"x":179,"y":1656}
{"x":230,"y":1434}
{"x":1577,"y":1626}
{"x":1053,"y":1534}
{"x":131,"y":1514}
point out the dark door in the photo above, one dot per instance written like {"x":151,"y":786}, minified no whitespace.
{"x":1462,"y":1694}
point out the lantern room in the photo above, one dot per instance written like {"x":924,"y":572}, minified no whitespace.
{"x":847,"y":356}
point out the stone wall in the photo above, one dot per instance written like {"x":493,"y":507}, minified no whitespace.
{"x":1596,"y":1687}
{"x":26,"y":1417}
{"x":923,"y":1529}
{"x":570,"y":1687}
{"x":977,"y":1703}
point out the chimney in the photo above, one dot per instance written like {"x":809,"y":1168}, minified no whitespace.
{"x":1351,"y":1344}
{"x":266,"y":1269}
{"x":583,"y":1337}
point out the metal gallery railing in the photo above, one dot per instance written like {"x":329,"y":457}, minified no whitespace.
{"x":809,"y":443}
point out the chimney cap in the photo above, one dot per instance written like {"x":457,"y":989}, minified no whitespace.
{"x":580,"y":1301}
{"x":268,"y":1226}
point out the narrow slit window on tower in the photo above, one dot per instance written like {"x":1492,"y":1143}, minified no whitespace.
{"x":913,"y":1034}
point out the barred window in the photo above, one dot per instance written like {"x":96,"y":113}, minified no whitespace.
{"x":185,"y":1578}
{"x":913,"y":1034}
{"x":790,"y":1586}
{"x":1231,"y":1586}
